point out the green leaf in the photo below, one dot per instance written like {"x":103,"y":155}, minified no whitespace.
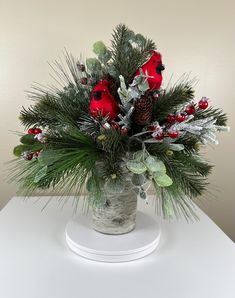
{"x":90,"y":184}
{"x":40,"y":174}
{"x":138,"y":180}
{"x":136,"y":167}
{"x":18,"y":150}
{"x":93,"y":64}
{"x":99,"y":48}
{"x":104,"y":58}
{"x":155,"y":165}
{"x":176,"y":147}
{"x":163,"y":180}
{"x":140,"y":155}
{"x":143,"y":86}
{"x":28,"y":139}
{"x":49,"y":157}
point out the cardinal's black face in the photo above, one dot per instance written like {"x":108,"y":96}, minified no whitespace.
{"x":160,"y":67}
{"x":97,"y":95}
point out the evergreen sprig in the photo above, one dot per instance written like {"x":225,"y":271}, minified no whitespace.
{"x":126,"y":59}
{"x":68,"y":158}
{"x":55,"y":109}
{"x":171,"y":100}
{"x":188,"y":172}
{"x":218,"y":114}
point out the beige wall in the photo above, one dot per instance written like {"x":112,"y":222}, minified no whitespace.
{"x":196,"y":36}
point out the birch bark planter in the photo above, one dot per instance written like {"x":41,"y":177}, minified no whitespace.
{"x":118,"y":214}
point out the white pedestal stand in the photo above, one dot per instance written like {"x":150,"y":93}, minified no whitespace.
{"x":86,"y":242}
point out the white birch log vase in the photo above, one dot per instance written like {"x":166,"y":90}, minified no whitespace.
{"x":118,"y":214}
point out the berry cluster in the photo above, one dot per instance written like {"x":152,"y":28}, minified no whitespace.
{"x":160,"y":132}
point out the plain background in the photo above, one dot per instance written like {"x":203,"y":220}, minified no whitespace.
{"x":193,"y":36}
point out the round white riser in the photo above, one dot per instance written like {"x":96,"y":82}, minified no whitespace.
{"x":88,"y":243}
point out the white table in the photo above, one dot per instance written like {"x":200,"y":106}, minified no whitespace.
{"x":193,"y":260}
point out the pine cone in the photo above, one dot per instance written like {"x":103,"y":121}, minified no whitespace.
{"x":143,"y":110}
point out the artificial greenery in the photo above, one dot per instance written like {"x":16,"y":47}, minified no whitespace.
{"x":77,"y":150}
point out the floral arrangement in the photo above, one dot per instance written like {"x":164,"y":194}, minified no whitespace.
{"x":109,"y":116}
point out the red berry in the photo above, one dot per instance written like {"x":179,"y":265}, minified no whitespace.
{"x":115,"y":125}
{"x":152,"y":128}
{"x":173,"y":134}
{"x":170,"y":118}
{"x":84,"y":81}
{"x":36,"y":153}
{"x":124,"y":131}
{"x":159,"y":137}
{"x":28,"y":156}
{"x":203,"y":104}
{"x":190,"y":110}
{"x":37,"y":131}
{"x":31,"y":131}
{"x":180,"y":117}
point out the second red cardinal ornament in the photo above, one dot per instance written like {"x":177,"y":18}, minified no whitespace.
{"x":102,"y":102}
{"x":153,"y":68}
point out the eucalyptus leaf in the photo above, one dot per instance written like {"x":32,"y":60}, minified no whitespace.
{"x":143,"y":86}
{"x":49,"y":157}
{"x":163,"y":180}
{"x":104,"y":58}
{"x":140,"y":155}
{"x":93,"y":64}
{"x":94,"y":185}
{"x":112,"y":70}
{"x":176,"y":147}
{"x":18,"y":150}
{"x":40,"y":174}
{"x":169,"y":209}
{"x":90,"y":184}
{"x":28,"y":139}
{"x":155,"y":165}
{"x":99,"y":48}
{"x":136,"y":167}
{"x":138,"y":180}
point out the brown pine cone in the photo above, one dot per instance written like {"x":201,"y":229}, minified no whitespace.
{"x":143,"y":110}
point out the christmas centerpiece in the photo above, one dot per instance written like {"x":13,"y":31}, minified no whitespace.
{"x":109,"y":129}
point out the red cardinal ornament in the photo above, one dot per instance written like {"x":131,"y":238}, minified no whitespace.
{"x":153,"y":68}
{"x":102,"y":102}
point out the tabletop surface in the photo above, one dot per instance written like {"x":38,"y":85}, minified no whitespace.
{"x":193,"y":260}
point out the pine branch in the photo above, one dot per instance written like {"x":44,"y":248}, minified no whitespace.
{"x":190,"y":143}
{"x":126,"y":58}
{"x":114,"y":142}
{"x":188,"y":173}
{"x":68,"y":72}
{"x":171,"y":100}
{"x":68,"y":158}
{"x":195,"y":162}
{"x":54,"y":110}
{"x":218,"y":114}
{"x":171,"y":201}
